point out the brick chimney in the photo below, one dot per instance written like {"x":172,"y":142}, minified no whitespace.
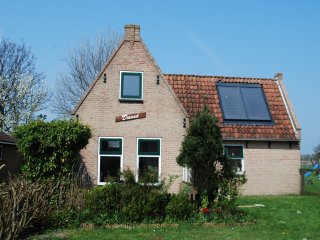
{"x":132,"y":33}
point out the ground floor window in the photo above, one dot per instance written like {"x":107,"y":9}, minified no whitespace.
{"x":186,"y":175}
{"x":110,"y":159}
{"x":235,"y":154}
{"x":149,"y":159}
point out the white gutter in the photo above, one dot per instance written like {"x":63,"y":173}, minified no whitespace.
{"x":287,"y":107}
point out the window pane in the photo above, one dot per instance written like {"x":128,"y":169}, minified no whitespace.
{"x":109,"y":168}
{"x":237,"y":165}
{"x":255,"y":103}
{"x":149,"y":147}
{"x":231,"y":103}
{"x":234,"y":151}
{"x":149,"y":169}
{"x":110,"y":146}
{"x":131,"y":85}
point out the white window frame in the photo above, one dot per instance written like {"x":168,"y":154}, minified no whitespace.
{"x":109,"y":155}
{"x":242,"y":159}
{"x":186,"y":175}
{"x":159,"y":157}
{"x":131,"y":99}
{"x":1,"y":152}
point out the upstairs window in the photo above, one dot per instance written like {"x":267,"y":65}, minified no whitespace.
{"x":235,"y":154}
{"x":149,"y":159}
{"x":243,"y":103}
{"x":131,"y":86}
{"x":110,"y":159}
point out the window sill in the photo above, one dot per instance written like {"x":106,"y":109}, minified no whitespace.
{"x":140,"y":101}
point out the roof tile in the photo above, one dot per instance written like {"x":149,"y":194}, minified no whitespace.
{"x":200,"y":90}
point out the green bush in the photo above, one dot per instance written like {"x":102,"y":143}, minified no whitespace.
{"x":51,"y":149}
{"x":179,"y":207}
{"x":126,"y":202}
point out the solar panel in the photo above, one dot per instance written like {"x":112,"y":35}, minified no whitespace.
{"x":255,"y":103}
{"x":232,"y":104}
{"x":243,"y":102}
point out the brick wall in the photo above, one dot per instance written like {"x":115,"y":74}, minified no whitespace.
{"x":12,"y":160}
{"x":271,"y":169}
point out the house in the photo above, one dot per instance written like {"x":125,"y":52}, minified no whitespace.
{"x":139,"y":117}
{"x":9,"y":156}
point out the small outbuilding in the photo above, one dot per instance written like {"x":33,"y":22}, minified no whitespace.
{"x":9,"y":156}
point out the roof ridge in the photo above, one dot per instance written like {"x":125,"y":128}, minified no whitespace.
{"x":216,"y":76}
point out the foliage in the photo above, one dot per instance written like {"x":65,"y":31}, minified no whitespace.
{"x":22,"y":89}
{"x":125,"y":202}
{"x":202,"y":152}
{"x":179,"y":207}
{"x":22,"y":203}
{"x":51,"y":149}
{"x":83,"y":64}
{"x":316,"y":155}
{"x":282,"y":217}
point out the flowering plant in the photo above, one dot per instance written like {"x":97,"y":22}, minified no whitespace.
{"x":205,"y":210}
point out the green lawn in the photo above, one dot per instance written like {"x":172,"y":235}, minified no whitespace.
{"x":312,"y":184}
{"x":282,"y":217}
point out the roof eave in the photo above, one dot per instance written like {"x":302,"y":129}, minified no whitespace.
{"x":262,"y":139}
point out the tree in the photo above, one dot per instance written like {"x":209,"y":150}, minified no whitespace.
{"x":83,"y":64}
{"x":316,"y":155}
{"x":202,"y":152}
{"x":22,"y":89}
{"x":51,"y":149}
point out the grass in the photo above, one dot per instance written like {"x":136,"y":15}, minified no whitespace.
{"x":282,"y":217}
{"x":312,"y":184}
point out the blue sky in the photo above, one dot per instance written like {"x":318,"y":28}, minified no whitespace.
{"x":232,"y":38}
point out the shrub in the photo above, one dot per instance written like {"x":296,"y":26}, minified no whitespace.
{"x":22,"y":204}
{"x":202,"y":152}
{"x":126,"y":202}
{"x":51,"y":149}
{"x":179,"y":207}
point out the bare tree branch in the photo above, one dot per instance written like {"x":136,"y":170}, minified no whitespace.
{"x":84,"y":62}
{"x":22,"y":89}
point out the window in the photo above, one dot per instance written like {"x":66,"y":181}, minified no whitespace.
{"x":110,"y":159}
{"x":149,"y":159}
{"x":1,"y":152}
{"x":186,"y":175}
{"x":243,"y":103}
{"x":131,"y":85}
{"x":235,"y":154}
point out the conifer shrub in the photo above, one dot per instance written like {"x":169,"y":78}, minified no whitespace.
{"x":202,"y":152}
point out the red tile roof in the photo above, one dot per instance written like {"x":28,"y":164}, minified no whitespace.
{"x":6,"y":138}
{"x":194,"y":91}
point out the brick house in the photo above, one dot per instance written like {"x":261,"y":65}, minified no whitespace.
{"x":139,"y":116}
{"x":9,"y":156}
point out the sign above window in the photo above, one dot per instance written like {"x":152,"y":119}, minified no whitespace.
{"x":132,"y":116}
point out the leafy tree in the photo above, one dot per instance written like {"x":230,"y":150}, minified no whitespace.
{"x":83,"y":64}
{"x":51,"y":149}
{"x":22,"y":89}
{"x":202,"y":152}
